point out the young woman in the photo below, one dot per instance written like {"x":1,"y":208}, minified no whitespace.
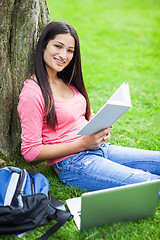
{"x":54,"y":106}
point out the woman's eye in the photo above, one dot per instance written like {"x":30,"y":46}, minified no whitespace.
{"x":70,"y":51}
{"x":58,"y":46}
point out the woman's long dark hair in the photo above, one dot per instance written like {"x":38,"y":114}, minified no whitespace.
{"x":71,"y":73}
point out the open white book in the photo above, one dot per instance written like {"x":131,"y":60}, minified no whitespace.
{"x":111,"y":111}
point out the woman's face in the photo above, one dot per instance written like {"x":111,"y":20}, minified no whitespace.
{"x":59,"y":52}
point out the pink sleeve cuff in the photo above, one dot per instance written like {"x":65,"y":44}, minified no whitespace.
{"x":31,"y":153}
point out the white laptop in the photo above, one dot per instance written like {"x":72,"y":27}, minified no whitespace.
{"x":117,"y":204}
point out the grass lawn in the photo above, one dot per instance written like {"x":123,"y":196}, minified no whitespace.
{"x":120,"y":42}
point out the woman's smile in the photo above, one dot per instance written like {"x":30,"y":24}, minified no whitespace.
{"x":59,"y":61}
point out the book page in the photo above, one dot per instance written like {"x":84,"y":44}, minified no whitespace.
{"x":112,"y":110}
{"x":121,"y":94}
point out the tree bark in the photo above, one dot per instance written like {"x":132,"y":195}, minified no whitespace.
{"x":21,"y":24}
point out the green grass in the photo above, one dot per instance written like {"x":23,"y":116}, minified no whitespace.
{"x":120,"y":41}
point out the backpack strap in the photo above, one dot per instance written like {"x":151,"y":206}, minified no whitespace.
{"x":56,"y":211}
{"x":62,"y":216}
{"x":31,"y":172}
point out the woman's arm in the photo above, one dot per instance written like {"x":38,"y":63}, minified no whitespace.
{"x":31,"y":111}
{"x":50,"y":152}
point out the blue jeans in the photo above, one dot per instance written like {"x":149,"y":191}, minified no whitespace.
{"x":109,"y":166}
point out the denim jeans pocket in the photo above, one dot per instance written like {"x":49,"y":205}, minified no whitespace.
{"x":68,"y":163}
{"x":76,"y":158}
{"x":105,"y":148}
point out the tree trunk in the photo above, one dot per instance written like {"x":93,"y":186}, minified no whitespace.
{"x":21,"y":22}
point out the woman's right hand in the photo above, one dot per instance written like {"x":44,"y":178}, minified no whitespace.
{"x":94,"y":141}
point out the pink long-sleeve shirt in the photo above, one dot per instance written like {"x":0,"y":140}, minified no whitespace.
{"x":35,"y":132}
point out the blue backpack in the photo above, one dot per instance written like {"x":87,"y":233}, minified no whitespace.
{"x":26,"y":203}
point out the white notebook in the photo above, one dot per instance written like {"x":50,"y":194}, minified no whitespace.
{"x":111,"y":111}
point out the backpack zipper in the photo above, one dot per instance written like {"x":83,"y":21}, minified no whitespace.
{"x":32,"y":186}
{"x":21,"y":185}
